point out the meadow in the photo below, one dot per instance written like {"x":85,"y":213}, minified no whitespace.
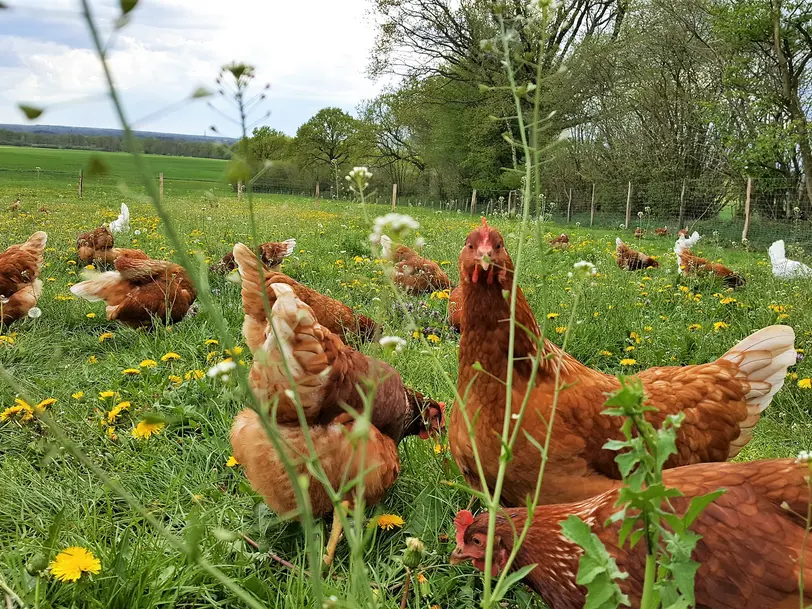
{"x":49,"y":501}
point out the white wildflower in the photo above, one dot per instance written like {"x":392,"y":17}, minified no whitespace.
{"x":396,"y":225}
{"x":640,"y":214}
{"x":648,"y":209}
{"x":221,"y":370}
{"x":137,"y":232}
{"x":392,"y":343}
{"x":34,"y":312}
{"x":803,"y":456}
{"x":582,"y":270}
{"x":419,"y":242}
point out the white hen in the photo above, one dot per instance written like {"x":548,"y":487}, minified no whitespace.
{"x":682,"y":244}
{"x":783,"y":268}
{"x":122,"y":223}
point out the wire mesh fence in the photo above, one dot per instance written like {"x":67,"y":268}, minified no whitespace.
{"x":758,"y":210}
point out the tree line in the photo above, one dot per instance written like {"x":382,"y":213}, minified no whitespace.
{"x":653,"y":91}
{"x":112,"y":143}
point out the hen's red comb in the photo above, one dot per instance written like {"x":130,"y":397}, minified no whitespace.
{"x":462,"y":521}
{"x":483,"y":229}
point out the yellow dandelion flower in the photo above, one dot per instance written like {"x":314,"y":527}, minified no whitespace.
{"x":7,"y":340}
{"x":171,"y":356}
{"x":606,"y":353}
{"x":805,"y":383}
{"x":358,"y":259}
{"x":695,"y":327}
{"x":70,"y":564}
{"x":105,"y":336}
{"x":628,"y":362}
{"x":12,"y":411}
{"x":211,"y":341}
{"x":90,"y":315}
{"x":78,"y":395}
{"x":231,"y":462}
{"x":71,"y":262}
{"x":720,"y":325}
{"x":777,"y":308}
{"x":90,"y":267}
{"x":235,"y":351}
{"x":111,"y":433}
{"x":782,"y":316}
{"x":433,"y":338}
{"x":684,"y":288}
{"x":131,"y":372}
{"x":387,"y":522}
{"x":630,"y":348}
{"x":145,"y":429}
{"x":647,"y":329}
{"x":552,"y":315}
{"x":103,"y":395}
{"x":117,"y":410}
{"x":211,"y":355}
{"x":561,"y":329}
{"x":421,"y":579}
{"x":148,"y":363}
{"x":415,"y":334}
{"x":175,"y":379}
{"x":194,"y":374}
{"x":92,"y":360}
{"x":728,"y":300}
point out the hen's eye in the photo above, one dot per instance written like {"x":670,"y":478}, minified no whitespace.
{"x":477,"y":541}
{"x":470,"y":247}
{"x":498,"y":245}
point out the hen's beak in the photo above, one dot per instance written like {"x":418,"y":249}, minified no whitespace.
{"x":458,"y":556}
{"x":484,"y":254}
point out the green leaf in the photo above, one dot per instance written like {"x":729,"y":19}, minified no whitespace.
{"x":127,"y":5}
{"x":201,"y":92}
{"x":31,"y":112}
{"x":698,"y":504}
{"x":511,"y":580}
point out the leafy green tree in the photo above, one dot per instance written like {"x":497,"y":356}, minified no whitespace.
{"x":329,"y":139}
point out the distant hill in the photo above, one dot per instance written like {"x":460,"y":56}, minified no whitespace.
{"x":92,"y":131}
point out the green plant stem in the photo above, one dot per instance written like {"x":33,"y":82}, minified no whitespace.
{"x":647,"y":600}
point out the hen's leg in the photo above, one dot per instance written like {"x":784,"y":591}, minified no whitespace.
{"x":335,"y":533}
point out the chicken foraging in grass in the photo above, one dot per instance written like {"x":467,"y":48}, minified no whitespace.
{"x":327,"y":376}
{"x":638,"y":233}
{"x":414,"y":273}
{"x":331,"y":313}
{"x":632,"y":260}
{"x":140,"y":290}
{"x":690,"y":264}
{"x":563,"y":241}
{"x":783,"y":267}
{"x":722,"y":400}
{"x":749,"y":553}
{"x":661,"y":232}
{"x":683,"y":232}
{"x":271,"y":253}
{"x":16,"y":205}
{"x":20,"y":287}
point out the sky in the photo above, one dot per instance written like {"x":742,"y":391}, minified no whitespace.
{"x":312,"y":52}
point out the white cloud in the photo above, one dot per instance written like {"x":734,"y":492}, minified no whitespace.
{"x":312,"y":50}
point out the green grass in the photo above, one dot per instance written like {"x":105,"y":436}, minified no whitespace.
{"x":180,"y":475}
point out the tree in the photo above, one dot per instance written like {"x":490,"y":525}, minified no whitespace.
{"x":328,"y":139}
{"x":268,"y":144}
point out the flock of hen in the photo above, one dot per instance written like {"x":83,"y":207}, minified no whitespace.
{"x":752,"y":536}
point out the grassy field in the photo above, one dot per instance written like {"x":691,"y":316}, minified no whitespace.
{"x":48,"y":501}
{"x":58,"y":172}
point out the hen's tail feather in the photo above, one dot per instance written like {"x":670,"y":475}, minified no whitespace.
{"x":619,"y":242}
{"x":778,"y":256}
{"x":295,"y":347}
{"x":290,"y":245}
{"x":386,"y":247}
{"x":762,"y":360}
{"x":252,"y":288}
{"x":96,"y":285}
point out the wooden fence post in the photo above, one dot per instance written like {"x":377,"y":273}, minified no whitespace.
{"x":569,"y":205}
{"x":510,"y":201}
{"x":318,"y":191}
{"x":592,"y":207}
{"x":81,"y":183}
{"x":682,"y":204}
{"x":747,"y":208}
{"x":473,"y":202}
{"x":629,"y":205}
{"x":161,"y":184}
{"x":394,"y":195}
{"x":239,"y":190}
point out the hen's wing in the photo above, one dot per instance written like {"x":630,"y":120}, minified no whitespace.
{"x":338,"y":454}
{"x":21,"y":302}
{"x":455,"y":308}
{"x":20,"y":264}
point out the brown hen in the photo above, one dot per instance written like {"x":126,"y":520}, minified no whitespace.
{"x":414,"y":273}
{"x":455,"y":308}
{"x":632,"y":260}
{"x":563,"y":240}
{"x":722,"y":400}
{"x":327,"y":375}
{"x":20,"y":287}
{"x":749,"y":553}
{"x":334,"y":315}
{"x":140,"y":290}
{"x":272,"y":255}
{"x":97,"y":246}
{"x":694,"y":265}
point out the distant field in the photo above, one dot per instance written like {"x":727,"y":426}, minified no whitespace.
{"x":18,"y":166}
